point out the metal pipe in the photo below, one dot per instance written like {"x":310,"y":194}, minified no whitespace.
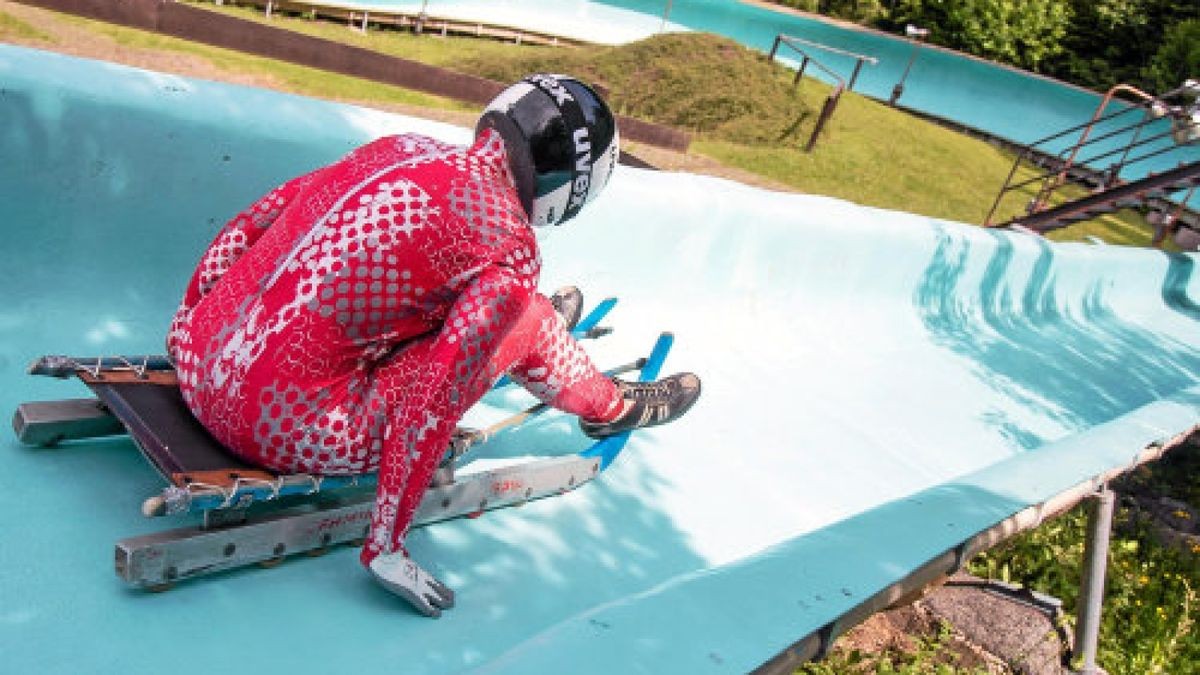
{"x":1053,"y":184}
{"x":913,"y":32}
{"x":834,"y":96}
{"x":419,"y":26}
{"x":1147,"y":118}
{"x":1077,"y":127}
{"x":1153,"y":153}
{"x":987,"y":221}
{"x":774,"y":48}
{"x":1009,"y":186}
{"x":854,"y":75}
{"x":898,"y":90}
{"x":834,"y":50}
{"x":800,"y":71}
{"x":826,"y":113}
{"x":1091,"y":592}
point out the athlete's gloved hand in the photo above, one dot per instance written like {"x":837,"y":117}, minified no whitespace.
{"x":400,"y":575}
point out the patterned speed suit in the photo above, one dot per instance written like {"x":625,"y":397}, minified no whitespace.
{"x":346,"y":321}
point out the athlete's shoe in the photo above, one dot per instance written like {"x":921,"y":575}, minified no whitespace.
{"x":649,"y":404}
{"x":568,"y":302}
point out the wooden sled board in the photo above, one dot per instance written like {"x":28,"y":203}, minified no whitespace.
{"x":153,"y":411}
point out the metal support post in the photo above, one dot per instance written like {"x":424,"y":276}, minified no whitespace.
{"x":422,"y":17}
{"x":666,"y":16}
{"x":1091,"y":595}
{"x":915,"y":34}
{"x":854,"y":75}
{"x":826,"y":113}
{"x":800,"y":71}
{"x":898,"y":90}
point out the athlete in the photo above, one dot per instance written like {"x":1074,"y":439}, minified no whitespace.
{"x":346,"y":321}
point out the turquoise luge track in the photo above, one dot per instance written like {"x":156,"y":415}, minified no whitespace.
{"x":878,"y":387}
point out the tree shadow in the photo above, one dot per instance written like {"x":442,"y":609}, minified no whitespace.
{"x":1069,"y":359}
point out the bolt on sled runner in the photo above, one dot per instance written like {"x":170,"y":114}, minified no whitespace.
{"x":251,"y":515}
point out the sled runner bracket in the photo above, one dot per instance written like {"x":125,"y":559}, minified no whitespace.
{"x":65,"y":366}
{"x":235,"y":538}
{"x":47,"y":423}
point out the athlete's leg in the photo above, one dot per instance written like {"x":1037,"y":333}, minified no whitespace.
{"x":540,"y":354}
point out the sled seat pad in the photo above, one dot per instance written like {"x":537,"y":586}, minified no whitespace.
{"x":180,"y":448}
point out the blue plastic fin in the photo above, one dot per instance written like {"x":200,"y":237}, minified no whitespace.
{"x":594,"y":317}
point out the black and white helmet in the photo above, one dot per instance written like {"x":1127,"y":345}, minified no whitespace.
{"x":562,"y":129}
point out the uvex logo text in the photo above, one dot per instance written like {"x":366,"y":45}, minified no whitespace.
{"x":553,"y":87}
{"x":583,"y":168}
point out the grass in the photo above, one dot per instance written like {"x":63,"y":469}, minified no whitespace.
{"x":433,"y":50}
{"x":277,"y":74}
{"x":12,"y":28}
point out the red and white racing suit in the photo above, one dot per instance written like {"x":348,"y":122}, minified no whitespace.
{"x":346,"y":321}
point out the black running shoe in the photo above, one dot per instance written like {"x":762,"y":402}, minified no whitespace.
{"x":654,"y":403}
{"x":568,"y":302}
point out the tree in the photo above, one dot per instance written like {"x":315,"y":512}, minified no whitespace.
{"x":1177,"y":59}
{"x":852,"y":10}
{"x":1114,"y":41}
{"x":1093,"y":43}
{"x":1018,"y":32}
{"x":863,"y":11}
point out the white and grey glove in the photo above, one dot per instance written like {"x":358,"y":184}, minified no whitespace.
{"x":400,"y":575}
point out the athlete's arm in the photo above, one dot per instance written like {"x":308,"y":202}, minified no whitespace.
{"x":452,"y":378}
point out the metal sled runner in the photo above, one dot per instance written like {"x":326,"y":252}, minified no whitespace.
{"x":251,"y":515}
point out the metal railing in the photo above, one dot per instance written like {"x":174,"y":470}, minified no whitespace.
{"x":806,"y":58}
{"x":1074,"y":161}
{"x":791,"y":42}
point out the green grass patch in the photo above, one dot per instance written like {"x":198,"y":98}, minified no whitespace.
{"x":430,"y":49}
{"x":281,"y":75}
{"x":12,"y":28}
{"x":871,"y":155}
